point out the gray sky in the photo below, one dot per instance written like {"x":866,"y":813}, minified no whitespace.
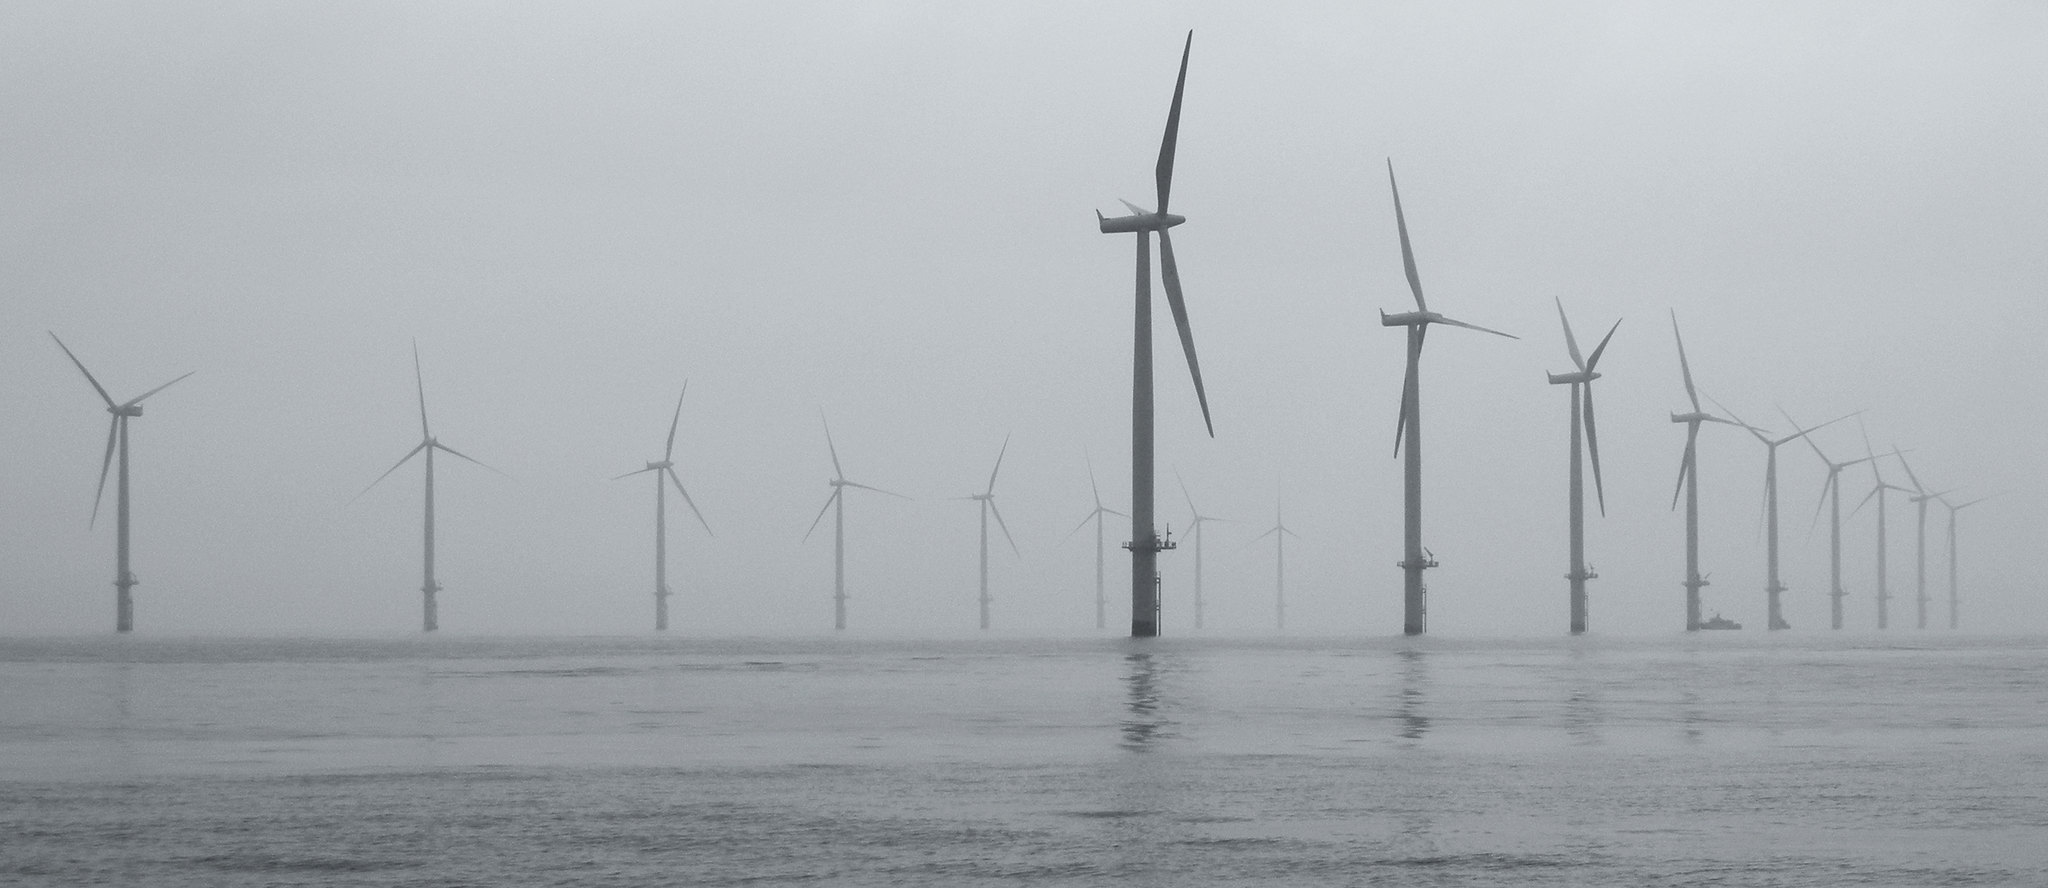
{"x":884,"y":212}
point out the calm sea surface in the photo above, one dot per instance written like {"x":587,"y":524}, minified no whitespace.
{"x":1725,"y":759}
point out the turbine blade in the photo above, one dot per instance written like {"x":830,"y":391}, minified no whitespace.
{"x":1408,"y":390}
{"x":1163,"y":173}
{"x":821,"y":511}
{"x":878,"y":490}
{"x":1594,"y":361}
{"x":1134,"y":208}
{"x":1091,"y":478}
{"x":999,"y":465}
{"x":1115,"y":512}
{"x":1760,"y":434}
{"x":1917,"y":487}
{"x":1593,"y":448}
{"x":1802,"y":433}
{"x":1684,"y":367}
{"x":1269,"y":532}
{"x":1006,"y":528}
{"x":634,"y":472}
{"x":1440,"y":319}
{"x":1169,"y":274}
{"x":106,"y":462}
{"x":81,"y":368}
{"x":1184,"y":492}
{"x":1407,"y":252}
{"x":1692,"y":432}
{"x":420,"y":381}
{"x":1571,"y":344}
{"x":1874,"y":491}
{"x":1823,"y":501}
{"x":837,"y":472}
{"x":445,"y":448}
{"x":1077,"y":527}
{"x":669,"y":451}
{"x":671,"y":473}
{"x":394,"y":467}
{"x":138,"y":398}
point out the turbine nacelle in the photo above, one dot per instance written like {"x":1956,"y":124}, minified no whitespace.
{"x":1139,"y":220}
{"x":1695,"y":416}
{"x":1574,"y":377}
{"x":658,"y":465}
{"x":126,"y":410}
{"x":1409,"y":318}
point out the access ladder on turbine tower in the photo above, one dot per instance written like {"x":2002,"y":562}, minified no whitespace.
{"x":1158,"y":544}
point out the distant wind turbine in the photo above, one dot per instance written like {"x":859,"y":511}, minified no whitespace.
{"x":1877,"y":490}
{"x":1581,"y":382}
{"x":1953,"y":615}
{"x":1145,"y":543}
{"x":1773,"y":589}
{"x":1196,"y":522}
{"x":1101,"y":619}
{"x":428,"y":444}
{"x":838,"y":500}
{"x":665,"y":471}
{"x":1414,"y":558}
{"x":1279,"y":533}
{"x":1689,"y":483}
{"x":117,"y":431}
{"x":1919,"y":498}
{"x":987,"y":498}
{"x":1831,"y":496}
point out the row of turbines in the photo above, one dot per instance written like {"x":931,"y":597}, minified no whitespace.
{"x":1145,"y":543}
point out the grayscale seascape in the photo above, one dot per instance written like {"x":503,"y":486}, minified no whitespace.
{"x":1790,"y":759}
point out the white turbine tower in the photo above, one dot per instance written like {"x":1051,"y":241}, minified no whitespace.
{"x":1953,"y":613}
{"x":1877,"y":490}
{"x":1415,"y":559}
{"x":1279,"y":533}
{"x":1101,"y":618}
{"x":838,"y":500}
{"x":117,"y":438}
{"x":1689,"y":483}
{"x":1145,"y":543}
{"x":1581,"y":382}
{"x":1919,"y":498}
{"x":987,"y":498}
{"x":1831,"y":497}
{"x":1196,"y":522}
{"x":665,"y":471}
{"x":431,"y":619}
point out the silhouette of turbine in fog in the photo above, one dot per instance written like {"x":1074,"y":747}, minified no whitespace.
{"x":1581,"y":381}
{"x":665,"y":471}
{"x":1689,"y":484}
{"x":838,"y":499}
{"x":1145,"y":543}
{"x":1772,"y":588}
{"x":1953,"y":614}
{"x":1101,"y":620}
{"x":428,"y":444}
{"x":987,"y":498}
{"x":1279,"y":533}
{"x":1878,"y":488}
{"x":1920,"y":496}
{"x":1831,"y":496}
{"x":1196,"y":523}
{"x":1414,"y":558}
{"x":117,"y":431}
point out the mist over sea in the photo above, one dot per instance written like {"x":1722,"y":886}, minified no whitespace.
{"x":1800,"y":758}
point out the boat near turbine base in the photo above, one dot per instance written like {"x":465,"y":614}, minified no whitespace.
{"x":1720,"y":622}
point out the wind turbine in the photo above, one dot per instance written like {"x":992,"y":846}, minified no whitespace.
{"x":1414,"y":558}
{"x":1197,"y":521}
{"x":428,"y":444}
{"x":1689,"y":484}
{"x":1145,"y":543}
{"x":117,"y":430}
{"x":1831,"y":495}
{"x":665,"y":470}
{"x":1101,"y":620}
{"x":987,"y":498}
{"x":1952,"y":510}
{"x":1773,"y":589}
{"x":1581,"y":381}
{"x":837,"y":502}
{"x":1884,"y":595}
{"x":1919,"y":498}
{"x":1279,"y":533}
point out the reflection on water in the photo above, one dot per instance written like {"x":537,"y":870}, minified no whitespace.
{"x":1409,"y":699}
{"x":1145,"y":724}
{"x":1583,"y":713}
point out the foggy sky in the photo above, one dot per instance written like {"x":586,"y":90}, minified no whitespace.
{"x":883,"y":213}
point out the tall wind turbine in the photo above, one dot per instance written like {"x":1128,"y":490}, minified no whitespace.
{"x":1689,"y":483}
{"x":1101,"y":619}
{"x":1919,"y":498}
{"x":117,"y":431}
{"x":1581,"y":382}
{"x":664,"y":470}
{"x":1145,"y":543}
{"x":1773,"y":590}
{"x":1279,"y":533}
{"x":1831,"y":496}
{"x":987,"y":498}
{"x":1952,"y":510}
{"x":1414,"y":558}
{"x":1877,"y":490}
{"x":428,"y":444}
{"x":1197,"y":521}
{"x":837,"y":502}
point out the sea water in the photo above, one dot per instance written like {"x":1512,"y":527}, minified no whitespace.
{"x":1909,"y":759}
